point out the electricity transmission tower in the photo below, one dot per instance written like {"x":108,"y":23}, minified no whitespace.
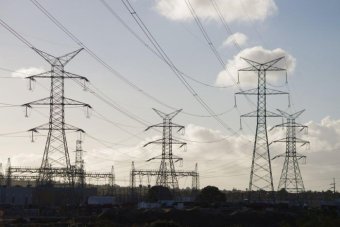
{"x":56,"y":150}
{"x":333,"y":186}
{"x":261,"y":178}
{"x":79,"y":164}
{"x":291,"y":179}
{"x":167,"y":173}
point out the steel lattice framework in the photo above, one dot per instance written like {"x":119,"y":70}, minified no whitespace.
{"x":155,"y":173}
{"x":261,"y":177}
{"x":291,"y":179}
{"x":33,"y":174}
{"x":166,"y":175}
{"x":56,"y":154}
{"x":80,"y":177}
{"x":79,"y":164}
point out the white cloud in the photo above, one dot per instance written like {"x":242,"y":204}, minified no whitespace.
{"x":324,"y":136}
{"x":238,"y":38}
{"x":24,"y":72}
{"x":258,"y":54}
{"x":232,"y":10}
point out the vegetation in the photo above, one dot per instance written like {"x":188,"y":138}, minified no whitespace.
{"x":158,"y":192}
{"x":211,"y":194}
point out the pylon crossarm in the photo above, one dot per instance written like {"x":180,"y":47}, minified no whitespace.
{"x":254,"y":114}
{"x":269,"y":64}
{"x":270,"y":91}
{"x":72,"y":102}
{"x":272,"y":114}
{"x":40,"y":75}
{"x":68,"y":57}
{"x":302,"y":127}
{"x":75,"y":76}
{"x":174,"y":125}
{"x":65,"y":127}
{"x":160,"y":113}
{"x":174,"y":141}
{"x":273,"y":68}
{"x":297,"y":114}
{"x":154,"y":158}
{"x":279,"y":125}
{"x":248,"y":69}
{"x":253,"y":91}
{"x":251,"y":114}
{"x":302,"y":142}
{"x":159,"y":141}
{"x":254,"y":64}
{"x":44,"y":101}
{"x":49,"y":58}
{"x":291,"y":116}
{"x":160,"y":125}
{"x":177,"y":158}
{"x":284,"y":140}
{"x":173,"y":114}
{"x":301,"y":156}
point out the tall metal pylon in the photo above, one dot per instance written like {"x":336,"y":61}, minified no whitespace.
{"x":79,"y":164}
{"x":167,"y":173}
{"x":261,"y":177}
{"x":56,"y":150}
{"x":291,"y":179}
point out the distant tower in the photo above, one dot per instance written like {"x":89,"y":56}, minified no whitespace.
{"x":132,"y":176}
{"x":291,"y":178}
{"x":261,"y":177}
{"x":8,"y":173}
{"x":195,"y":179}
{"x":113,"y":177}
{"x":56,"y":153}
{"x":167,"y":173}
{"x":2,"y":175}
{"x":79,"y":164}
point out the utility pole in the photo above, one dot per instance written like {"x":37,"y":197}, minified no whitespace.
{"x":261,"y":177}
{"x":56,"y":150}
{"x":291,"y":179}
{"x":167,"y":173}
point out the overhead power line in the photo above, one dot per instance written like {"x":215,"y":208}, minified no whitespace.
{"x":100,"y":60}
{"x":111,"y":10}
{"x":172,"y":66}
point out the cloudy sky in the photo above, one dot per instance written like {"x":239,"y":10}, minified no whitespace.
{"x":135,"y":80}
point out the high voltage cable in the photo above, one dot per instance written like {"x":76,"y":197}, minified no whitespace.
{"x":141,"y":121}
{"x":98,"y":59}
{"x":211,"y":44}
{"x":225,"y":24}
{"x":110,"y":9}
{"x":161,"y":52}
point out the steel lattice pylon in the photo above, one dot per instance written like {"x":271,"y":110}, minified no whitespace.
{"x":56,"y":150}
{"x":167,"y":174}
{"x":261,"y":172}
{"x":79,"y":164}
{"x":291,"y":179}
